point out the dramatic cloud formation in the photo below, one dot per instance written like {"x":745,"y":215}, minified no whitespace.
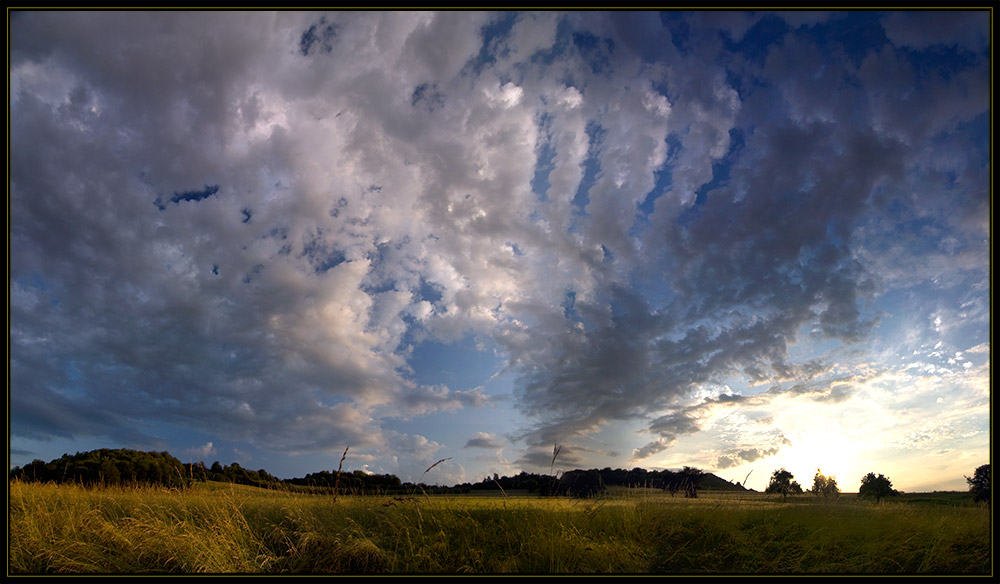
{"x":695,"y":237}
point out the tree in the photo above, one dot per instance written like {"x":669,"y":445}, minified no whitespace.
{"x":107,"y":466}
{"x":876,"y":486}
{"x":581,"y":483}
{"x":781,"y":482}
{"x":979,"y":484}
{"x":824,"y":485}
{"x":690,"y":480}
{"x":671,"y":482}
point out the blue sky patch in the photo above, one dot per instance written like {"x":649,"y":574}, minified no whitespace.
{"x":318,"y":38}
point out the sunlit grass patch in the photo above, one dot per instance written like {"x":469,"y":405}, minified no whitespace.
{"x":69,"y":529}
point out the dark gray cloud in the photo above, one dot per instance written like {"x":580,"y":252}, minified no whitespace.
{"x":765,"y":251}
{"x":837,"y":394}
{"x":484,"y":440}
{"x":966,"y":29}
{"x":568,"y":457}
{"x":673,"y":424}
{"x":739,"y":457}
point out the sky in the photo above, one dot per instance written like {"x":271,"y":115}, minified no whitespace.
{"x":740,"y":241}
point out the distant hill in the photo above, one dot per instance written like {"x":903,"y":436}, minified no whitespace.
{"x":710,"y":482}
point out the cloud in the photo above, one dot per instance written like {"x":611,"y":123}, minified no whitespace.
{"x":979,"y":349}
{"x":249,"y":222}
{"x":538,"y":458}
{"x":651,"y":448}
{"x":279,"y":301}
{"x":962,"y":28}
{"x":532,"y":32}
{"x":204,"y":451}
{"x":671,"y":425}
{"x":739,"y":457}
{"x":423,"y":400}
{"x":484,"y":440}
{"x":837,"y":393}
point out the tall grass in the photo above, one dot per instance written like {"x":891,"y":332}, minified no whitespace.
{"x":67,"y":529}
{"x":217,"y":528}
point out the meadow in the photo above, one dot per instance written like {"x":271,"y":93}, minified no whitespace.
{"x":223,"y":528}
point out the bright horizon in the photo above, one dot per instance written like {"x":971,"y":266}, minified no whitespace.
{"x":740,"y":241}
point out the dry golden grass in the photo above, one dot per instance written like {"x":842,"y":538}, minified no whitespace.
{"x":214,"y":528}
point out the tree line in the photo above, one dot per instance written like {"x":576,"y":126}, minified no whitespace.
{"x":106,"y":466}
{"x":872,"y":486}
{"x":129,"y":467}
{"x":589,"y":482}
{"x":132,"y":467}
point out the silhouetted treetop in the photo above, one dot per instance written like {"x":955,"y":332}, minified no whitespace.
{"x":979,"y":484}
{"x":107,"y":466}
{"x":876,"y":486}
{"x":781,"y":482}
{"x":824,"y":486}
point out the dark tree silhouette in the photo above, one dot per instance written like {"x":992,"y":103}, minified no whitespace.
{"x":672,"y":482}
{"x":876,"y":486}
{"x":979,"y":484}
{"x":781,"y":482}
{"x":581,"y":483}
{"x":824,"y":485}
{"x":690,"y":480}
{"x":108,"y":467}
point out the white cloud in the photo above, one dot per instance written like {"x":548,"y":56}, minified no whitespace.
{"x":204,"y":451}
{"x":533,"y":32}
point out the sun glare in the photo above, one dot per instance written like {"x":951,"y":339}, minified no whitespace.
{"x":832,"y":453}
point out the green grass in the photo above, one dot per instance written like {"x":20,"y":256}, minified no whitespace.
{"x":216,"y":528}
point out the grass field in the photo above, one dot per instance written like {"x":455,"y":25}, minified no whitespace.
{"x":222,"y":528}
